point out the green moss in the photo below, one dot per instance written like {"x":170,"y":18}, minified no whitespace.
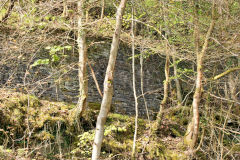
{"x":176,"y":132}
{"x":181,"y":146}
{"x":114,"y":146}
{"x":118,"y":117}
{"x":175,"y":155}
{"x":179,"y":115}
{"x":236,"y":148}
{"x":94,"y":105}
{"x":155,"y":148}
{"x":6,"y":153}
{"x":21,"y":111}
{"x":97,"y":106}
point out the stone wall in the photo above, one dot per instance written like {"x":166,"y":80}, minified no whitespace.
{"x":46,"y":82}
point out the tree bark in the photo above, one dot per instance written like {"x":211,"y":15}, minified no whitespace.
{"x":108,"y":84}
{"x":103,"y":7}
{"x":142,"y":90}
{"x":178,"y":86}
{"x":134,"y":84}
{"x":165,"y":96}
{"x":193,"y":128}
{"x":195,"y":118}
{"x":166,"y":82}
{"x":82,"y":71}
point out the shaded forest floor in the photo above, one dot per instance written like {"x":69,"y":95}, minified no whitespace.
{"x":38,"y":129}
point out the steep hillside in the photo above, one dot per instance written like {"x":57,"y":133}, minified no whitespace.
{"x":40,"y":129}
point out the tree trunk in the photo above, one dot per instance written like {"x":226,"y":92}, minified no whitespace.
{"x":108,"y":84}
{"x":193,"y":128}
{"x":134,"y":84}
{"x":178,"y":86}
{"x":142,"y":90}
{"x":165,"y":96}
{"x":166,"y":82}
{"x":82,"y":71}
{"x":103,"y":7}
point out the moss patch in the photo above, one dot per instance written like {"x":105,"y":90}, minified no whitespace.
{"x":54,"y":123}
{"x":23,"y":115}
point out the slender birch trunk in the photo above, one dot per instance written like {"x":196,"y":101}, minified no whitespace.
{"x":142,"y":90}
{"x":134,"y":84}
{"x":108,"y":84}
{"x":103,"y":7}
{"x":193,"y":128}
{"x":82,"y":70}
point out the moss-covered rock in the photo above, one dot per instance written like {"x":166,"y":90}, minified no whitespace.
{"x":179,"y":115}
{"x":54,"y":125}
{"x":24,"y":115}
{"x":94,"y":105}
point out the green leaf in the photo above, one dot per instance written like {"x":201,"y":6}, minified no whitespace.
{"x":55,"y":58}
{"x":68,"y":47}
{"x":40,"y":62}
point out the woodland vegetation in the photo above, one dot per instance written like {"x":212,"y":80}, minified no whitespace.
{"x":44,"y":42}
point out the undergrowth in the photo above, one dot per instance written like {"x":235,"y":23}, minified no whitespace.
{"x":40,"y":129}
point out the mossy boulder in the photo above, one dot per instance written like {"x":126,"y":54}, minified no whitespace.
{"x":22,"y":115}
{"x":97,"y":106}
{"x":94,"y":105}
{"x":54,"y":123}
{"x":180,"y":115}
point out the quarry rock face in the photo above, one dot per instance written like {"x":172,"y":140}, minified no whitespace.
{"x":54,"y":84}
